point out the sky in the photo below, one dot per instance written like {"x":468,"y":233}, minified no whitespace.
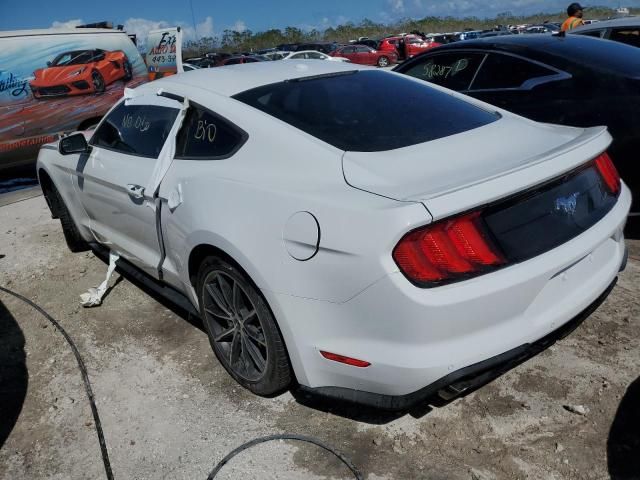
{"x":212,"y":17}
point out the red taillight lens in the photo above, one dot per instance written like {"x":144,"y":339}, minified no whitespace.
{"x":447,"y":250}
{"x":354,"y":362}
{"x":608,"y":172}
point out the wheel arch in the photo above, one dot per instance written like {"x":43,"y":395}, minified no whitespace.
{"x":47,"y":186}
{"x":203,"y":250}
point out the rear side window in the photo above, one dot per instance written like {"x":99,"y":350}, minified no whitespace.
{"x":136,"y":129}
{"x":452,"y":70}
{"x":205,"y":135}
{"x":630,"y":36}
{"x":505,"y":71}
{"x":367,"y":111}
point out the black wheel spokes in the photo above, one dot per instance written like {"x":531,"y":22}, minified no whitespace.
{"x":235,"y":325}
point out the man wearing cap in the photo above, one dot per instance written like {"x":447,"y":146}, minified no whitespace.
{"x":575,"y":17}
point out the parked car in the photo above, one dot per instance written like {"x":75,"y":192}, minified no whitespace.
{"x":406,"y":46}
{"x":240,"y":59}
{"x":364,"y":55}
{"x":544,"y":28}
{"x":470,"y":34}
{"x":277,"y":54}
{"x":390,"y":261}
{"x":368,"y":42}
{"x":495,"y":33}
{"x":54,"y":81}
{"x":572,"y":80}
{"x":624,"y":30}
{"x":324,"y":47}
{"x":312,"y":55}
{"x":188,"y":67}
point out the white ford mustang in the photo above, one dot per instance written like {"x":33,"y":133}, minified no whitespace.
{"x":362,"y":233}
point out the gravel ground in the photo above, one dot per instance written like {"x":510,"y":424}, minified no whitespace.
{"x":170,"y":411}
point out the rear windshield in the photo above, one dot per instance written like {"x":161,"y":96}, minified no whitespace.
{"x":367,"y":111}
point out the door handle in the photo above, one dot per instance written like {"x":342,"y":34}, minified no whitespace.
{"x":135,"y":191}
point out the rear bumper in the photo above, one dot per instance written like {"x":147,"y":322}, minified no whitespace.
{"x":466,"y":379}
{"x":422,"y":340}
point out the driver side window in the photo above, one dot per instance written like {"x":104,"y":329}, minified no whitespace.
{"x":139,"y":130}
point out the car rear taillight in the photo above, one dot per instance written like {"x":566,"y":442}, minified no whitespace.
{"x":448,"y":250}
{"x":608,"y":171}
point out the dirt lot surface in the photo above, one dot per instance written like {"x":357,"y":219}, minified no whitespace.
{"x":170,"y":411}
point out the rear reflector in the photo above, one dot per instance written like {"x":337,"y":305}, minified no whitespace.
{"x":354,"y":362}
{"x":608,"y":171}
{"x":448,"y":250}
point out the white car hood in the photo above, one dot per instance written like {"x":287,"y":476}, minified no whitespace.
{"x":480,"y":156}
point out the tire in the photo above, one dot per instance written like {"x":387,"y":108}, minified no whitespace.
{"x":383,"y":61}
{"x":72,"y":236}
{"x":98,"y":82}
{"x":128,"y":72}
{"x":248,"y":345}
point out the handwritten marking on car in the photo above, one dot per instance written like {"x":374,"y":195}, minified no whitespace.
{"x":139,"y":122}
{"x":206,"y":131}
{"x":432,"y":70}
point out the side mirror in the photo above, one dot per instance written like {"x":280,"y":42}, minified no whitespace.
{"x":48,"y":64}
{"x":75,"y":143}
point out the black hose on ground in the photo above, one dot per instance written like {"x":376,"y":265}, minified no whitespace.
{"x":98,"y":423}
{"x":85,"y":379}
{"x":286,"y":436}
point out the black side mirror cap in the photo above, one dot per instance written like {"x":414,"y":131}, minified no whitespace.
{"x":76,"y":143}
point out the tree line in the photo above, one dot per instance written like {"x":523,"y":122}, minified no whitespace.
{"x":248,"y":41}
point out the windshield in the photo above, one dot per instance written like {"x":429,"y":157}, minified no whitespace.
{"x":79,"y":57}
{"x":367,"y":111}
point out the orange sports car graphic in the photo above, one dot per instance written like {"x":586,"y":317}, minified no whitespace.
{"x":80,"y":72}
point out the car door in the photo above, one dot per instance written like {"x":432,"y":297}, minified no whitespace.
{"x":626,"y":35}
{"x":112,"y":180}
{"x":350,"y":53}
{"x":522,"y":86}
{"x":366,"y":55}
{"x":455,"y":70}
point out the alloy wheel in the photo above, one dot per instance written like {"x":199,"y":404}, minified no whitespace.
{"x":235,"y":326}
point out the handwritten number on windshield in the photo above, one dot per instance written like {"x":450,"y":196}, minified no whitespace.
{"x":138,"y":122}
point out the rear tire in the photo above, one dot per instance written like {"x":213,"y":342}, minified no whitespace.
{"x":241,"y":328}
{"x":72,"y":236}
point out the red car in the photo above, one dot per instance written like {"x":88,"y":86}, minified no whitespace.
{"x":406,"y":46}
{"x":365,"y":55}
{"x":80,"y":72}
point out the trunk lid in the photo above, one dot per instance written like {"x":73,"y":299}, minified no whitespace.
{"x":476,"y":167}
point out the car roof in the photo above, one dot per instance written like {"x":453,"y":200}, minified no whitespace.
{"x":615,"y":22}
{"x":58,"y":31}
{"x":233,"y":79}
{"x":573,"y":49}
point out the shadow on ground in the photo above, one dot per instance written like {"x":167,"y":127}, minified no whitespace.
{"x":14,"y":377}
{"x":623,"y":446}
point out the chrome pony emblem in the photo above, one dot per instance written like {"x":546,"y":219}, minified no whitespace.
{"x":567,"y":205}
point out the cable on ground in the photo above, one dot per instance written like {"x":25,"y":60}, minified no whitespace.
{"x":98,"y":424}
{"x":286,"y":436}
